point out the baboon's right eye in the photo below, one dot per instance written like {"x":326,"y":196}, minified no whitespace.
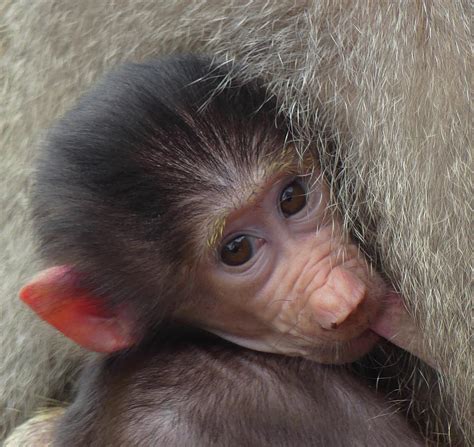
{"x":237,"y":251}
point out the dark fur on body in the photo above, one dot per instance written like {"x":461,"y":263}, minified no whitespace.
{"x":186,"y":388}
{"x":139,"y":162}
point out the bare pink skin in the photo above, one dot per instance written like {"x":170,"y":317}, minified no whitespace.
{"x":307,"y":291}
{"x":396,"y":325}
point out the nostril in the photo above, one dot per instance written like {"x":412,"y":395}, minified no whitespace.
{"x":339,"y":300}
{"x":351,"y":315}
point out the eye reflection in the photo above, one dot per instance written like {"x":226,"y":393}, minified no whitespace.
{"x":292,"y":198}
{"x":237,"y":251}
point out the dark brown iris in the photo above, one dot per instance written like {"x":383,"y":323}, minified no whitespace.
{"x":237,"y":252}
{"x":293,"y":198}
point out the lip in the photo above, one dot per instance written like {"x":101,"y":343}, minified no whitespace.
{"x":357,"y":347}
{"x":368,"y":334}
{"x":364,"y":343}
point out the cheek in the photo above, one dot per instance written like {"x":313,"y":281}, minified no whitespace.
{"x":242,"y":288}
{"x":229,"y":300}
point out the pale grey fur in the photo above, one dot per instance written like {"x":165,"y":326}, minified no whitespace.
{"x":390,"y":81}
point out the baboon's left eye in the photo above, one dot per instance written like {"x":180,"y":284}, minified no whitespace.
{"x":292,"y":198}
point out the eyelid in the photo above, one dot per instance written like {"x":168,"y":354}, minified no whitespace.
{"x":258,"y":241}
{"x":302,"y":180}
{"x":230,"y":237}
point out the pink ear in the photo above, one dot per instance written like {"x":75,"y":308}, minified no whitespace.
{"x":54,"y":294}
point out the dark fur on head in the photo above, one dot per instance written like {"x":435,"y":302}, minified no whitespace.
{"x":126,"y":176}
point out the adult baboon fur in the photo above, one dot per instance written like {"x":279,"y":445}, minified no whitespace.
{"x":386,"y":83}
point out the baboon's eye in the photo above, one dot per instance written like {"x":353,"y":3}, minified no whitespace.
{"x":292,"y":198}
{"x":237,"y":251}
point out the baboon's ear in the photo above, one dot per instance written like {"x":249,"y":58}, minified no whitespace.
{"x":55,"y":295}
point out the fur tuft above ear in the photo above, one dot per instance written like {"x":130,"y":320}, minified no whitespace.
{"x":55,"y":295}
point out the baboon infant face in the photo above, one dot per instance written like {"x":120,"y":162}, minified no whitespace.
{"x":283,"y":277}
{"x":274,"y":273}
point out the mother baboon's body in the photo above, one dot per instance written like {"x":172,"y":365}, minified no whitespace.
{"x":387,"y":83}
